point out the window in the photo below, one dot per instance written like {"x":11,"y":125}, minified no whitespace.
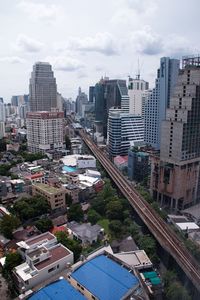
{"x":52,"y":269}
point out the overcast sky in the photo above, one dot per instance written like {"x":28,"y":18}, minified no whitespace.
{"x":86,"y":39}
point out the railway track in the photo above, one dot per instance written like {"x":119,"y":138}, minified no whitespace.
{"x":161,"y":231}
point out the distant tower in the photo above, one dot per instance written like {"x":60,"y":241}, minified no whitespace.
{"x":42,"y":88}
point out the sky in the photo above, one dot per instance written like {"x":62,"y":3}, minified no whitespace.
{"x":84,"y":40}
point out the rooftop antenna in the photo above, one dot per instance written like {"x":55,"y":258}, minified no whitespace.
{"x":138,"y":72}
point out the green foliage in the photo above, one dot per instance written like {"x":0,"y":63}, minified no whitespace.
{"x":44,"y":224}
{"x":2,"y":145}
{"x":75,"y":213}
{"x":73,"y":245}
{"x":114,"y":210}
{"x":4,"y":170}
{"x":32,"y":156}
{"x":145,"y":194}
{"x":193,"y":248}
{"x":162,"y":213}
{"x":93,"y":217}
{"x":147,"y":243}
{"x":7,"y":224}
{"x":14,"y":176}
{"x":12,"y":260}
{"x":115,"y":227}
{"x":68,"y":199}
{"x":27,"y":208}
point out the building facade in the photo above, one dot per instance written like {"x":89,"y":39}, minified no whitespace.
{"x":138,"y":165}
{"x":175,"y":175}
{"x":42,"y":88}
{"x":123,"y":130}
{"x":137,"y":91}
{"x":81,"y":100}
{"x":44,"y":131}
{"x":158,"y":100}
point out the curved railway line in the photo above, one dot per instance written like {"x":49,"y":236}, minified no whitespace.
{"x":161,"y":231}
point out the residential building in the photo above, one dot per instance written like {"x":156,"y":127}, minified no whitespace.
{"x":55,"y":196}
{"x":42,"y":88}
{"x":108,"y":94}
{"x":2,"y":130}
{"x":44,"y":131}
{"x":137,"y":91}
{"x":86,"y":233}
{"x":2,"y":111}
{"x":123,"y":130}
{"x":78,"y":161}
{"x":138,"y":165}
{"x":158,"y":100}
{"x":175,"y":179}
{"x":44,"y":257}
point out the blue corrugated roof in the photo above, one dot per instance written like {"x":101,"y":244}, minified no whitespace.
{"x":59,"y":290}
{"x":105,"y":278}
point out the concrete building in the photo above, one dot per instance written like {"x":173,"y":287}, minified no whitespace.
{"x":158,"y":100}
{"x":175,"y":179}
{"x":137,"y":91}
{"x":44,"y":257}
{"x":123,"y":130}
{"x":81,"y":100}
{"x":55,"y":196}
{"x":138,"y":165}
{"x":42,"y":88}
{"x":108,"y":94}
{"x":2,"y":130}
{"x":44,"y":131}
{"x":2,"y":111}
{"x":78,"y":161}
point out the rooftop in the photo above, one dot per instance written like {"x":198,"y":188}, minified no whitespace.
{"x":41,"y":238}
{"x":47,"y":188}
{"x":56,"y":254}
{"x":105,"y":278}
{"x":59,"y":290}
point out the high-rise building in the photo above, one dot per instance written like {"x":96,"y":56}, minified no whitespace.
{"x":175,"y":179}
{"x":81,"y":100}
{"x":137,"y":91}
{"x":91,"y":94}
{"x":123,"y":130}
{"x":108,"y":94}
{"x":42,"y":88}
{"x":158,"y":100}
{"x":44,"y":131}
{"x":2,"y":111}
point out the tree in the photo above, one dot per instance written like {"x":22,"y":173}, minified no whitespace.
{"x":75,"y":213}
{"x":116,"y":227}
{"x":93,"y":217}
{"x":14,"y":176}
{"x":114,"y":210}
{"x":2,"y":145}
{"x":176,"y":291}
{"x":68,"y":199}
{"x":73,"y":245}
{"x":147,"y":243}
{"x":7,"y":224}
{"x":67,"y":142}
{"x":12,"y":260}
{"x":4,"y":170}
{"x":44,"y":224}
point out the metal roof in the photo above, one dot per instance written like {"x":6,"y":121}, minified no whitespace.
{"x":105,"y":278}
{"x":59,"y":290}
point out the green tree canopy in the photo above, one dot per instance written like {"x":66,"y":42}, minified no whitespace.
{"x":12,"y":260}
{"x":114,"y":210}
{"x":93,"y":217}
{"x":75,"y":213}
{"x":115,"y":227}
{"x":7,"y":224}
{"x":44,"y":224}
{"x":147,"y":243}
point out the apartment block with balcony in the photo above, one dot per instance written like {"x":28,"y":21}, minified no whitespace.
{"x":44,"y":257}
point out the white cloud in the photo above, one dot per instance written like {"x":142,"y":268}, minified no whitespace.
{"x":103,"y":43}
{"x":12,"y":59}
{"x":142,"y":6}
{"x":27,"y":44}
{"x":177,"y":46}
{"x":145,"y":41}
{"x":40,"y":11}
{"x":67,"y":64}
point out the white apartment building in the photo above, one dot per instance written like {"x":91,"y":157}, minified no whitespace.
{"x":137,"y":91}
{"x":44,"y":257}
{"x":44,"y":131}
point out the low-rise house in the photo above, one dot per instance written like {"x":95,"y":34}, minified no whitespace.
{"x":44,"y":258}
{"x":55,"y":196}
{"x":86,"y":233}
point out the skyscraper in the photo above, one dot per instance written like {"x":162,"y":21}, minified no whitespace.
{"x":137,"y":91}
{"x":175,"y":179}
{"x":108,"y":94}
{"x":42,"y":88}
{"x":81,"y":100}
{"x":158,"y":100}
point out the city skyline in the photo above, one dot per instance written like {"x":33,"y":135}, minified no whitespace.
{"x":84,"y":41}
